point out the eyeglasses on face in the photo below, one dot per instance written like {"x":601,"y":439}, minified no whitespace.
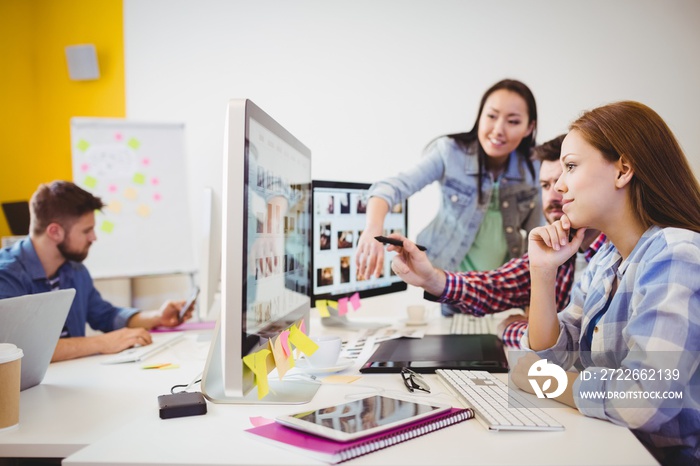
{"x":414,"y":381}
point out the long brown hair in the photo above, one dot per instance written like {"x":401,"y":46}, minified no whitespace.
{"x":664,"y":191}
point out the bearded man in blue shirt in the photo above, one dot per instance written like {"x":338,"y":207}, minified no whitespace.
{"x":62,"y":229}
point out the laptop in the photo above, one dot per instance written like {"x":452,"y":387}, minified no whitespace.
{"x":425,"y":355}
{"x":34,"y":322}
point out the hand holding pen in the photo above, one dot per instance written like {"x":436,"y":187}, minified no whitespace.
{"x":413,"y":266}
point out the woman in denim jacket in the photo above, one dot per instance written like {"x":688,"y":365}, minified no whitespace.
{"x":488,"y":185}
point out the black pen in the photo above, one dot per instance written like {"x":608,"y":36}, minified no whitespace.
{"x":396,"y":242}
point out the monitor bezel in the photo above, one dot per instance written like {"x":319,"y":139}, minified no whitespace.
{"x":226,"y":378}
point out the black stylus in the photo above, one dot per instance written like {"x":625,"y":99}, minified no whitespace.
{"x":396,"y":242}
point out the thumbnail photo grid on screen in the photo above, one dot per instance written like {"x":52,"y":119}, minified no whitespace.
{"x":339,"y":220}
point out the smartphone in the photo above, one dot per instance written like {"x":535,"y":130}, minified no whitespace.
{"x":190,"y":301}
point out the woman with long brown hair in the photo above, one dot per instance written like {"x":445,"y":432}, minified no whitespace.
{"x":632,"y":329}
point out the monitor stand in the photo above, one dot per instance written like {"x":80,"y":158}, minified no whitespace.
{"x":336,"y":320}
{"x":281,"y":391}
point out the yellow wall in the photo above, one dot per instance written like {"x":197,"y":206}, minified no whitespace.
{"x":37,"y":98}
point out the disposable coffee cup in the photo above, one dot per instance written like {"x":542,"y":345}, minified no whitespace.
{"x":327,"y":353}
{"x":416,"y":314}
{"x":10,"y":366}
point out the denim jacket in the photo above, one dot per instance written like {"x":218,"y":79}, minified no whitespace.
{"x":451,"y":233}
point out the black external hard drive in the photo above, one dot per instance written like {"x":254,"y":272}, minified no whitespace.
{"x":182,"y":404}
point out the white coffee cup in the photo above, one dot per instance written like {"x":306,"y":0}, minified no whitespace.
{"x":416,"y":314}
{"x":10,"y":366}
{"x":327,"y":353}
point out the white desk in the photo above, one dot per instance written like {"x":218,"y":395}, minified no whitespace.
{"x":96,"y":414}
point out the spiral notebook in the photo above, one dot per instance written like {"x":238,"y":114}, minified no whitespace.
{"x":331,"y":451}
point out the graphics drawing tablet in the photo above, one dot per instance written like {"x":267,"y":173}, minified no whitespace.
{"x":482,"y":352}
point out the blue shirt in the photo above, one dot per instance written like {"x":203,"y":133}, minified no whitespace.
{"x":652,"y":324}
{"x":450,"y":235}
{"x":21,"y":273}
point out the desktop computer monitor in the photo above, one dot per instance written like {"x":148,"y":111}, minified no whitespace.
{"x":339,"y":216}
{"x":265,"y":254}
{"x":17,"y":216}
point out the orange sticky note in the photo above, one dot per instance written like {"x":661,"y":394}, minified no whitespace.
{"x":283,"y":362}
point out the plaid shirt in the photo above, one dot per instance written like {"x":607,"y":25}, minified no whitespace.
{"x":507,"y":287}
{"x":650,"y":323}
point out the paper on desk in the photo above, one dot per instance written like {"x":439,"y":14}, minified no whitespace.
{"x":391,"y":333}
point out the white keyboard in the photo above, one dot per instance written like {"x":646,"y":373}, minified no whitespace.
{"x":493,"y":405}
{"x":161,"y":341}
{"x":467,"y":324}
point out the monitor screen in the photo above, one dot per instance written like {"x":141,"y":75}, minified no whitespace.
{"x":265,"y":251}
{"x":339,"y":214}
{"x":17,"y":216}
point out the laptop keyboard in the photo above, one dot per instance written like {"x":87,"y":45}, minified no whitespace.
{"x":467,"y":324}
{"x":161,"y":341}
{"x":494,"y":406}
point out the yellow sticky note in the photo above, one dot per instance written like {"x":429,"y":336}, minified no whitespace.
{"x":83,"y":145}
{"x":90,"y":182}
{"x":332,"y":306}
{"x":322,"y":308}
{"x":139,"y":178}
{"x":257,"y":362}
{"x":134,"y":143}
{"x":301,"y":341}
{"x":130,"y":193}
{"x":107,"y":226}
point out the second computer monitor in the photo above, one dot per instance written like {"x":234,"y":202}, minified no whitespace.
{"x":339,"y":217}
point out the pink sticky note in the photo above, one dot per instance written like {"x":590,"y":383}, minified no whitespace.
{"x":284,"y":341}
{"x":112,"y":188}
{"x":118,"y":136}
{"x":302,"y":326}
{"x":84,"y":167}
{"x":355,"y":301}
{"x":342,"y":306}
{"x":157,"y":197}
{"x":155,"y":181}
{"x":260,"y":421}
{"x":146,"y":161}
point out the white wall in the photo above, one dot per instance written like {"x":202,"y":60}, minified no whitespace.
{"x":367,"y":83}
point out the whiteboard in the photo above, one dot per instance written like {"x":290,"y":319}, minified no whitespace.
{"x":138,"y":170}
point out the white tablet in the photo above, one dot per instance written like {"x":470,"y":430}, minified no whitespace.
{"x":360,"y":418}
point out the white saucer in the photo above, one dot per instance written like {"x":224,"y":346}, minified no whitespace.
{"x":304,"y":366}
{"x":415,"y":323}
